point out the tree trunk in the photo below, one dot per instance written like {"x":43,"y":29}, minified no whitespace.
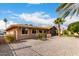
{"x":5,"y":28}
{"x":59,"y":30}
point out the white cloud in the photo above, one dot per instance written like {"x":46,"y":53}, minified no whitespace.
{"x":71,"y":20}
{"x":45,"y":19}
{"x":2,"y":24}
{"x":10,"y":23}
{"x":34,"y":3}
{"x":38,"y":18}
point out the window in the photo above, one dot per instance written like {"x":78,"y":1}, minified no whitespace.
{"x":40,"y":31}
{"x":24,"y":31}
{"x":44,"y":31}
{"x":34,"y":31}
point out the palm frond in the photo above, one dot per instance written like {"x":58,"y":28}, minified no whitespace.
{"x":65,"y":14}
{"x":77,"y":12}
{"x":67,"y":9}
{"x":64,"y":7}
{"x":59,"y":21}
{"x":61,"y":6}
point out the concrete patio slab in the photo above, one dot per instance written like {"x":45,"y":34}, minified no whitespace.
{"x":55,"y":46}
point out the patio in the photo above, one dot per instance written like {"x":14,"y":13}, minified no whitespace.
{"x":5,"y":50}
{"x":55,"y":46}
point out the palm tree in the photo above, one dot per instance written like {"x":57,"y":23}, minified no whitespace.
{"x":67,"y":9}
{"x":5,"y":20}
{"x":59,"y":21}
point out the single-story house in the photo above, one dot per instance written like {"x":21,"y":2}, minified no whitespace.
{"x":24,"y":31}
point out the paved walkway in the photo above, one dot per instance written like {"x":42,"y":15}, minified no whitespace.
{"x":5,"y":50}
{"x":55,"y":46}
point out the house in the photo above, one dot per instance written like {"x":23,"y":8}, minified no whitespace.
{"x":25,"y":31}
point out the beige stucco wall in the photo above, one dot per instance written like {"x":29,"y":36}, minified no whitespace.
{"x":30,"y":35}
{"x":27,"y":36}
{"x":48,"y":35}
{"x":11,"y":32}
{"x":17,"y":32}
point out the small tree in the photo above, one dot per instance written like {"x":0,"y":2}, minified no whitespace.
{"x":65,"y":32}
{"x":5,"y":20}
{"x":42,"y":36}
{"x":9,"y":38}
{"x":59,"y":21}
{"x":74,"y":27}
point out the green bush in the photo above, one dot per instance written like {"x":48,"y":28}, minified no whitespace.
{"x":9,"y":38}
{"x":65,"y":32}
{"x":41,"y":36}
{"x":68,"y":33}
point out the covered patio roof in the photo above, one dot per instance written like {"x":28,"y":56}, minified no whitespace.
{"x":26,"y":26}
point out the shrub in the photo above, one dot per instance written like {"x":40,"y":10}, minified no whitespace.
{"x":65,"y":32}
{"x":41,"y":36}
{"x":9,"y":38}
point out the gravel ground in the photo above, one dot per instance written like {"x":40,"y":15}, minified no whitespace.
{"x":55,"y":46}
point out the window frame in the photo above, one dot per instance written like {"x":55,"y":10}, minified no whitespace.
{"x":33,"y":31}
{"x":41,"y":31}
{"x":25,"y":31}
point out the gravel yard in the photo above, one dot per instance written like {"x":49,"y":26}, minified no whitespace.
{"x":55,"y":46}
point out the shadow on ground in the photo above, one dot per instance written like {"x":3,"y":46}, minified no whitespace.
{"x":22,"y":48}
{"x":19,"y":41}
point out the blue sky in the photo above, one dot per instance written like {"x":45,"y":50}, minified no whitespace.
{"x":40,"y":14}
{"x":30,"y":8}
{"x":7,"y":10}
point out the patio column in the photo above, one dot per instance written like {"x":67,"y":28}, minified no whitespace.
{"x":42,"y":31}
{"x":29,"y":31}
{"x":48,"y":33}
{"x":37,"y":31}
{"x":18,"y":33}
